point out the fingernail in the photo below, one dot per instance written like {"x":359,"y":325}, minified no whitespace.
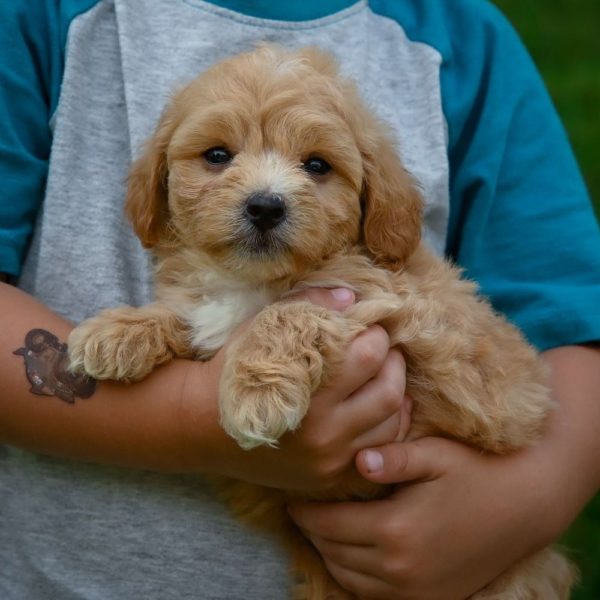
{"x":373,"y":460}
{"x":342,"y":294}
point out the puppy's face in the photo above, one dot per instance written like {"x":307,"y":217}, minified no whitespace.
{"x":267,"y":164}
{"x":263,"y":175}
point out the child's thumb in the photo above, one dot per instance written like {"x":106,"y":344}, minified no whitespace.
{"x":401,"y":462}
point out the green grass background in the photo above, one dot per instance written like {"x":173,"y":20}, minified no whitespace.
{"x":563,"y":36}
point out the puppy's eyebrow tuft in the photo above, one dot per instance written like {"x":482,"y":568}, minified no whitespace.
{"x":226,"y":125}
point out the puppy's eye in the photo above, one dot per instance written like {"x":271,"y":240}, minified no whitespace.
{"x":218,"y":156}
{"x":316,"y":166}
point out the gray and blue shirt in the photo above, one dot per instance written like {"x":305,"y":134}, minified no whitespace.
{"x":82,"y":85}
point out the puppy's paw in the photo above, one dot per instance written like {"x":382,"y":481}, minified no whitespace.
{"x":118,"y":344}
{"x":259,"y":403}
{"x":547,"y":575}
{"x":273,"y":369}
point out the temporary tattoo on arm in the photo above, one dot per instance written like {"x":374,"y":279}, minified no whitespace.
{"x":47,"y":368}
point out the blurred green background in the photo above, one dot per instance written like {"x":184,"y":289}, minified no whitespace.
{"x":563,"y":36}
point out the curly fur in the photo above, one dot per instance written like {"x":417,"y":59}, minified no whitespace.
{"x":471,"y":375}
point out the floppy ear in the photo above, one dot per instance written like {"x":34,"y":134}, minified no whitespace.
{"x":392,"y":205}
{"x":146,"y":204}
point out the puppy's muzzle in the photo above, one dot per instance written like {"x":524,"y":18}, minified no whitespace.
{"x":265,"y":211}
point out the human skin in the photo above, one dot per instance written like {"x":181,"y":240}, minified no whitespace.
{"x":169,"y":421}
{"x":462,"y":517}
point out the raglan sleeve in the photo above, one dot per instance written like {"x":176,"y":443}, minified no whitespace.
{"x":521,"y":221}
{"x":26,"y":69}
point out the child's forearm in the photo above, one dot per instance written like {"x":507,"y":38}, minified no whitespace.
{"x":572,"y":445}
{"x":170,"y":420}
{"x":140,"y":425}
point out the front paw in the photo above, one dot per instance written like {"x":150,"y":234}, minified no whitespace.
{"x":115,"y":345}
{"x":274,"y":368}
{"x":261,"y":402}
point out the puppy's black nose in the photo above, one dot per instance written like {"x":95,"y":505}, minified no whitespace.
{"x":265,"y":210}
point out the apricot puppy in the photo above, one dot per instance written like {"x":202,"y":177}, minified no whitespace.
{"x":265,"y":175}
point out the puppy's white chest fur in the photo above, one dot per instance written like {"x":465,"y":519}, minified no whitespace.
{"x":213,"y":322}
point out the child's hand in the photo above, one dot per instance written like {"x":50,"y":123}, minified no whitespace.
{"x":465,"y":516}
{"x":464,"y":519}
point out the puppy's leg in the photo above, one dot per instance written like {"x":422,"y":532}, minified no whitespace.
{"x":312,"y":579}
{"x":546,"y":575}
{"x":470,"y":374}
{"x":272,"y":370}
{"x":265,"y":509}
{"x":126,"y":343}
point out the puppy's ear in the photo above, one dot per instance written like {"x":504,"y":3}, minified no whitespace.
{"x":146,"y":204}
{"x":392,"y":205}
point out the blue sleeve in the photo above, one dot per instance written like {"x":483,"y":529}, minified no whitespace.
{"x":32,"y":38}
{"x":25,"y":137}
{"x":521,"y":222}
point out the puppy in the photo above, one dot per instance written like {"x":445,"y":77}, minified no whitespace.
{"x":268,"y":175}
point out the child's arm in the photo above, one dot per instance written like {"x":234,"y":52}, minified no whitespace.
{"x":467,"y":516}
{"x":169,"y":421}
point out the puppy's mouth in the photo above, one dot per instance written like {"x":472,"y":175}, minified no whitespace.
{"x":263,"y":245}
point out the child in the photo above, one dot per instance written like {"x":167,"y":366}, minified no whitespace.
{"x":84,"y":84}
